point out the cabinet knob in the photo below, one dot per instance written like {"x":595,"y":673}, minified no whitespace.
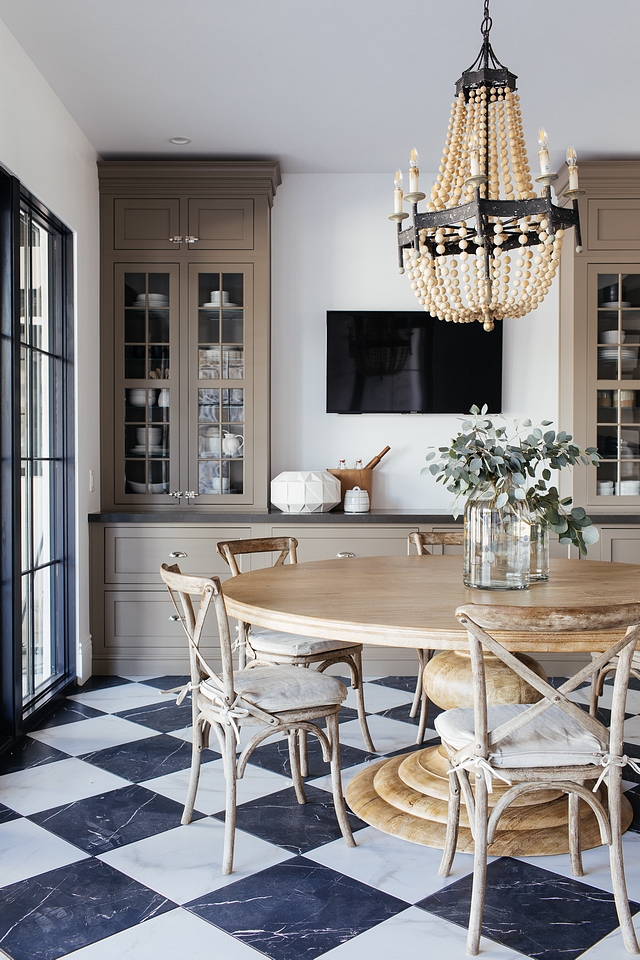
{"x":175,"y":239}
{"x":174,"y":617}
{"x":345,"y":554}
{"x":191,"y":495}
{"x":177,"y":494}
{"x":177,"y":553}
{"x":191,"y":239}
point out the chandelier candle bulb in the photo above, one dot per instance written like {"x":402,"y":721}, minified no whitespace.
{"x":543,"y":153}
{"x":473,"y":156}
{"x":397,"y":193}
{"x":414,"y":172}
{"x":572,"y":164}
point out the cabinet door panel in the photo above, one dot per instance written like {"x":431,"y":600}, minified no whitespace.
{"x":614,"y":224}
{"x":139,"y":625}
{"x":134,"y":555}
{"x":620,"y":544}
{"x":221,"y":224}
{"x":146,"y":224}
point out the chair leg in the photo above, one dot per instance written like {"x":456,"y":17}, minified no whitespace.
{"x":336,"y":781}
{"x":303,"y":744}
{"x":196,"y":756}
{"x":294,"y":762}
{"x":453,"y":821}
{"x":362,"y":713}
{"x":479,"y":869}
{"x":593,"y":694}
{"x":230,"y":808}
{"x":420,"y":697}
{"x":575,"y":851}
{"x":417,"y":697}
{"x":614,"y":788}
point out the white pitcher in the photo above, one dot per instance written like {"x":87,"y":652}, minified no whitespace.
{"x":231,"y":443}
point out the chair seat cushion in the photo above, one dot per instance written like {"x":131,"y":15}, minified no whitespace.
{"x":551,"y":740}
{"x":280,"y":688}
{"x":276,"y":642}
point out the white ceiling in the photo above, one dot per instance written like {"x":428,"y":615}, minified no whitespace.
{"x":328,"y":86}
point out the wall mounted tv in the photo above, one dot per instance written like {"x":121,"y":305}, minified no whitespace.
{"x":381,"y":361}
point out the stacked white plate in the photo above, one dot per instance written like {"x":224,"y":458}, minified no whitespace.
{"x":155,"y":300}
{"x":215,"y":300}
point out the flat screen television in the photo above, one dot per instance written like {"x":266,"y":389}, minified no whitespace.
{"x":384,"y":361}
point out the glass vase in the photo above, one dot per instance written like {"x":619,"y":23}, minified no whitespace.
{"x":539,"y":566}
{"x":496,"y":542}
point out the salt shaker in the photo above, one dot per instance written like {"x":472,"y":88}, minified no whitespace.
{"x":342,"y":465}
{"x":358,"y":464}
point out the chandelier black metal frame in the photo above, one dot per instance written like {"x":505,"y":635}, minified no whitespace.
{"x":466,"y":217}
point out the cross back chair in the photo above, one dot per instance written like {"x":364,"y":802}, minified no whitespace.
{"x":275,"y":646}
{"x":550,"y":744}
{"x":275,"y":699}
{"x":420,"y":699}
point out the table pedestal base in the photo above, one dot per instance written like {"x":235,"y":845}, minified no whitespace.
{"x":406,"y":797}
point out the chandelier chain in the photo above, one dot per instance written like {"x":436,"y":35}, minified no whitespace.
{"x":487,"y":23}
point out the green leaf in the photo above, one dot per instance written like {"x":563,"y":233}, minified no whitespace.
{"x":502,"y":499}
{"x":526,"y":423}
{"x":474,"y":410}
{"x":546,"y":474}
{"x":562,"y":436}
{"x":590,"y":535}
{"x":550,"y":436}
{"x":430,"y":455}
{"x":484,"y":409}
{"x":433,"y":468}
{"x":547,"y":423}
{"x":519,"y":493}
{"x":518,"y":479}
{"x":578,"y":513}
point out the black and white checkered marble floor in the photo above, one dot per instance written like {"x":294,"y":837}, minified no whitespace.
{"x":95,"y":865}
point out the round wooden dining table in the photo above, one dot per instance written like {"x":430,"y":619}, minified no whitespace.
{"x":411,"y":602}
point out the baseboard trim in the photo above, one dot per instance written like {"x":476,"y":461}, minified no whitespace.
{"x":84,"y":667}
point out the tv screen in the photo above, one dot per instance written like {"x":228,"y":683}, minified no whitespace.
{"x":381,"y":361}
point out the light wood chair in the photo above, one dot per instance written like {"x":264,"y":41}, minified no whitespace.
{"x":275,"y":646}
{"x":598,"y":678}
{"x":275,"y":699}
{"x":550,"y":744}
{"x":420,"y":699}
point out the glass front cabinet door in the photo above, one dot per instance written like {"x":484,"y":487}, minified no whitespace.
{"x":615,"y":362}
{"x":184,"y":390}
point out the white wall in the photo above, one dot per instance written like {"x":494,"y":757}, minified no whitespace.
{"x":334,"y":248}
{"x":42,"y":145}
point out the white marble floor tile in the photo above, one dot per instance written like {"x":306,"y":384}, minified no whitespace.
{"x":612,"y":947}
{"x":347,"y":774}
{"x":172,"y":935}
{"x":402,"y":869}
{"x":27,"y":850}
{"x":414,"y":933}
{"x":186,"y":862}
{"x":377,"y":698}
{"x":125,"y":697}
{"x":211,"y":788}
{"x":632,"y":730}
{"x":52,"y":784}
{"x":388,"y":735}
{"x":96,"y":733}
{"x":633,"y":698}
{"x":596,"y":866}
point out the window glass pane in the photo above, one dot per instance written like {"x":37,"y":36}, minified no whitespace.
{"x":44,"y":616}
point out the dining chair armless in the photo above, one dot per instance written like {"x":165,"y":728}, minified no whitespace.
{"x":529,"y":748}
{"x":272,"y":699}
{"x":261,"y":645}
{"x":420,"y":699}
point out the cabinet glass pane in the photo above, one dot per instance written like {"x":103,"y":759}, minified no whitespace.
{"x":221,"y":358}
{"x":618,"y":410}
{"x":146,"y":326}
{"x":146,"y":440}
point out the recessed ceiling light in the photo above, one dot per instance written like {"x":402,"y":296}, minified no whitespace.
{"x":180,"y":140}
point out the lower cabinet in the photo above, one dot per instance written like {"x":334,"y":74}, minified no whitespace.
{"x":619,"y":544}
{"x":132,"y":633}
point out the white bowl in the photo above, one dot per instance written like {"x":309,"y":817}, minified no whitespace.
{"x":611,"y":336}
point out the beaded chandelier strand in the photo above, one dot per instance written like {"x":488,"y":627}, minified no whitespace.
{"x":457,"y":252}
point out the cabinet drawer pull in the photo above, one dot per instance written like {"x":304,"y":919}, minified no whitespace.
{"x":174,"y":617}
{"x":345,"y":554}
{"x":177,"y":553}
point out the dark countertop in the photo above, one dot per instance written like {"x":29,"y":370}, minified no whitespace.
{"x":189,"y":515}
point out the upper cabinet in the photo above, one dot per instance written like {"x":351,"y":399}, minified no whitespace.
{"x":185,"y":333}
{"x":600,"y":336}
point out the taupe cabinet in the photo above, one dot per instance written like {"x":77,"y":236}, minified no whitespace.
{"x":600,"y":337}
{"x":185,"y":333}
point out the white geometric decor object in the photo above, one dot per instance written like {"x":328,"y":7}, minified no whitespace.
{"x":305,"y":491}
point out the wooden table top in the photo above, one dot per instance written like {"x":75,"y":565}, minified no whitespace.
{"x":410,"y":601}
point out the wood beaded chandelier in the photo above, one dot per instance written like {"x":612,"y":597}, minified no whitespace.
{"x":457,"y":252}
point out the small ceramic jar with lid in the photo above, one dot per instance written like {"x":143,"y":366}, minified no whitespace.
{"x":356,"y":501}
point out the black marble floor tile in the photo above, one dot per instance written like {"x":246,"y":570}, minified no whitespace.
{"x":296,"y":909}
{"x":62,"y":910}
{"x":167,"y":682}
{"x":533,"y":911}
{"x":631,"y":750}
{"x":299,"y":827}
{"x":101,"y":683}
{"x":413,"y":747}
{"x":26,"y":753}
{"x":402,"y":713}
{"x":145,"y":759}
{"x":398,"y":683}
{"x":164,"y":716}
{"x":558,"y":681}
{"x":274,"y":756}
{"x":70,"y":711}
{"x":113,"y":819}
{"x":633,"y":796}
{"x":6,"y":814}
